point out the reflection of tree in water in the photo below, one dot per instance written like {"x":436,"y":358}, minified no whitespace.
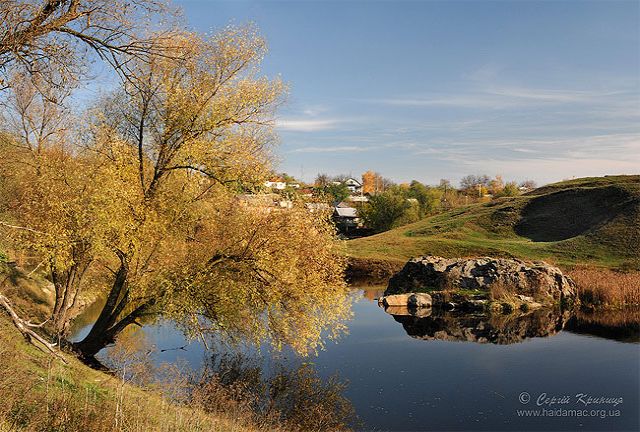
{"x":494,"y":328}
{"x":292,"y":399}
{"x":260,"y":394}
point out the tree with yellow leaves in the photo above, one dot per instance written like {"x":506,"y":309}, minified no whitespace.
{"x":143,"y":206}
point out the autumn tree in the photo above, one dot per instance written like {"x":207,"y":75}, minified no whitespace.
{"x":496,"y":185}
{"x":146,"y":203}
{"x":55,"y":38}
{"x":369,"y":180}
{"x":46,"y":47}
{"x":373,"y":182}
{"x":322,"y":180}
{"x":510,"y":189}
{"x":48,"y":188}
{"x":475,"y":185}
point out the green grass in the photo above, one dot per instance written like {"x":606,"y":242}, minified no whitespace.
{"x":593,"y":221}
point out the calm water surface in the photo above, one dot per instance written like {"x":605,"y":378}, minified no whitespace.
{"x":468,"y":373}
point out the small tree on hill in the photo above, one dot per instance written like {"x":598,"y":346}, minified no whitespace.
{"x":384,"y":210}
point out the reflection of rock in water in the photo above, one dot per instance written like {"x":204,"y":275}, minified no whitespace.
{"x":496,"y":329}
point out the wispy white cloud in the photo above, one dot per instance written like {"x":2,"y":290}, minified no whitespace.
{"x":505,"y":97}
{"x":306,"y":125}
{"x":471,"y":100}
{"x":548,"y":95}
{"x":524,"y":150}
{"x":314,"y":110}
{"x":331,"y":149}
{"x":486,"y":72}
{"x":624,"y":148}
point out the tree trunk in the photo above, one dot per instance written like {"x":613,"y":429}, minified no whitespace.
{"x":104,"y":332}
{"x":89,"y":347}
{"x":111,"y":323}
{"x":67,"y":288}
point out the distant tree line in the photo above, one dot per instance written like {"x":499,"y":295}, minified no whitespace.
{"x":398,"y":205}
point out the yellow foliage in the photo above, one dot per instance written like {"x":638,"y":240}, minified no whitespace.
{"x":146,"y":205}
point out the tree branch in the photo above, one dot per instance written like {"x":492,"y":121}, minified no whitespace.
{"x":25,"y":328}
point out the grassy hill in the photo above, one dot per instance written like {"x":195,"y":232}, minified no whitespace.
{"x":594,"y":221}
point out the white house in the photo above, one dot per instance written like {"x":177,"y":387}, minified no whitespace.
{"x":353,"y":185}
{"x":279,"y":185}
{"x":359,"y":198}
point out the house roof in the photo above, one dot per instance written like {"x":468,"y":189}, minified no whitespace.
{"x":346,"y":212}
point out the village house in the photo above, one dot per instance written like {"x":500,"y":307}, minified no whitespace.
{"x":264,"y":202}
{"x":346,"y":219}
{"x":278,"y":185}
{"x":353,"y":185}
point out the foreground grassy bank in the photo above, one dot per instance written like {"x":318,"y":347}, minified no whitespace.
{"x":589,"y":221}
{"x":40,"y":393}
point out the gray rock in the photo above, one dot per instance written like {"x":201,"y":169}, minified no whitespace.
{"x":407,"y":311}
{"x":412,"y":300}
{"x":534,"y":280}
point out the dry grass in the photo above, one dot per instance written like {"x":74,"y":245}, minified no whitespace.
{"x":602,"y":287}
{"x":499,"y":291}
{"x":40,"y":393}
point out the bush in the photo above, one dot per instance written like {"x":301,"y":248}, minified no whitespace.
{"x":384,"y":210}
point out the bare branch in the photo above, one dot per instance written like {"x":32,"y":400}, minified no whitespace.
{"x":25,"y":328}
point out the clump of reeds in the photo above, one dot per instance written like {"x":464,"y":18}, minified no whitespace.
{"x":601,"y":287}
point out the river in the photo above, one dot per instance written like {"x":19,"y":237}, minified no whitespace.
{"x":541,"y":371}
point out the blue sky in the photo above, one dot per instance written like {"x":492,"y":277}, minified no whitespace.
{"x":428,"y":90}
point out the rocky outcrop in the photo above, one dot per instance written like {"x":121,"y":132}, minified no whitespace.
{"x":537,"y":281}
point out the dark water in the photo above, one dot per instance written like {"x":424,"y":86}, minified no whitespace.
{"x":466,"y":372}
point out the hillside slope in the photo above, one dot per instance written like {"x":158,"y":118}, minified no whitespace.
{"x":38,"y":392}
{"x":593,"y":221}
